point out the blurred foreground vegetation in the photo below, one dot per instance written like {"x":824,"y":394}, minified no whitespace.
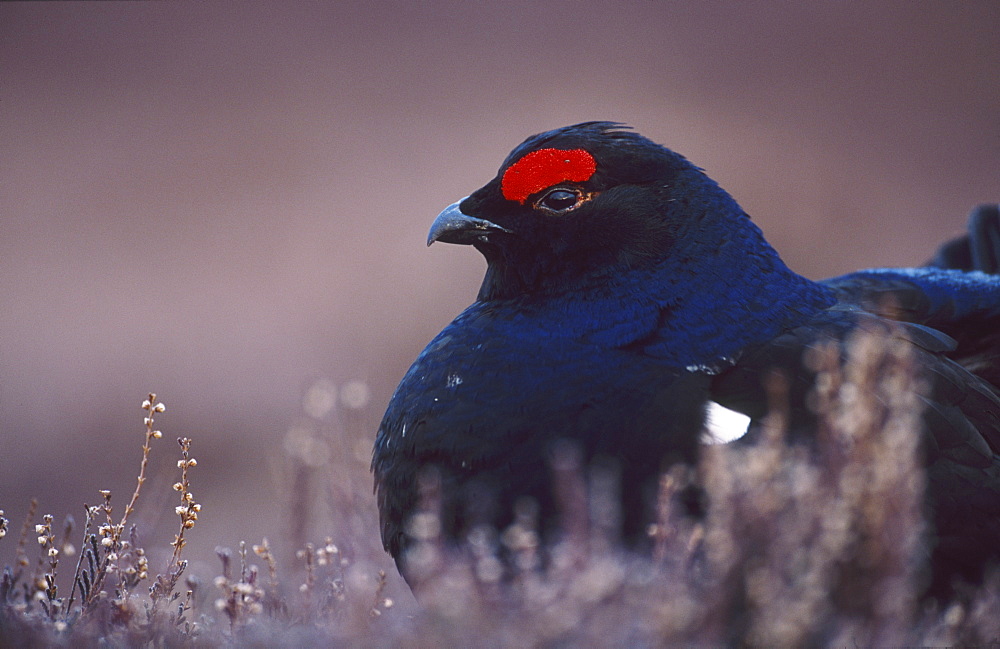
{"x":802,"y":545}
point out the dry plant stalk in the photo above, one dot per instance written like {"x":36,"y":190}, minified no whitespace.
{"x":187,"y":511}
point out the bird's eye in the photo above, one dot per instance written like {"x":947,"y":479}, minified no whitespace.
{"x":559,"y":200}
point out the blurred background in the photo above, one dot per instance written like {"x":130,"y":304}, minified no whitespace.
{"x":227,"y":203}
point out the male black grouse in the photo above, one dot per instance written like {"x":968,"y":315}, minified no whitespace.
{"x":625,"y":290}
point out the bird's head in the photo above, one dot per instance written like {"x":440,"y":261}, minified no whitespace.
{"x":576,"y":205}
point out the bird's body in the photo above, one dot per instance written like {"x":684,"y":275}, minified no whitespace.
{"x":624,"y":292}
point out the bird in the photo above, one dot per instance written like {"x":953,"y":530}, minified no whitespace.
{"x":625,"y":294}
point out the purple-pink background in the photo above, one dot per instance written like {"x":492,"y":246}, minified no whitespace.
{"x":225,"y":202}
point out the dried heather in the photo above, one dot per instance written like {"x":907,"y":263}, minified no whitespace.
{"x":802,"y":544}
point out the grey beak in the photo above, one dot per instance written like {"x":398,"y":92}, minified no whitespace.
{"x":452,"y":226}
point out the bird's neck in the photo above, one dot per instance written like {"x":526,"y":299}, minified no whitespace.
{"x":730,"y":289}
{"x":721,"y":288}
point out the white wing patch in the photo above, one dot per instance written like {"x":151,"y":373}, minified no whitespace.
{"x":723,"y":425}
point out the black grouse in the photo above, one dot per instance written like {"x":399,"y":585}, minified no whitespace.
{"x":625,"y":291}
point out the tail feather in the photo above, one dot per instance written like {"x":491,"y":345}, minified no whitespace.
{"x":979,"y":248}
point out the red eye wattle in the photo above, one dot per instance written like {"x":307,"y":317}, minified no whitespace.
{"x":544,"y":168}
